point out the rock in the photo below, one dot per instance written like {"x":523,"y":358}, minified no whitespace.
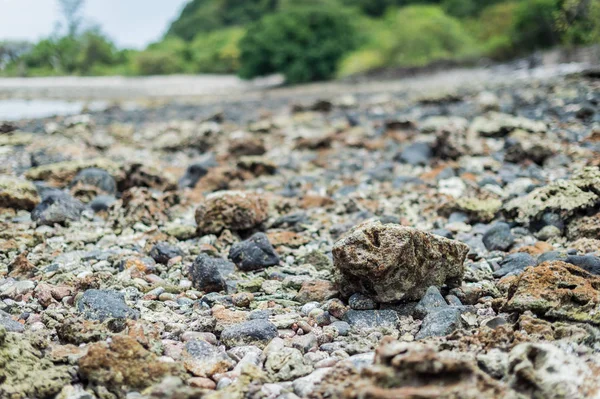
{"x":62,"y":172}
{"x":104,"y":304}
{"x":316,"y":290}
{"x":494,"y":363}
{"x":411,"y":370}
{"x":10,"y":325}
{"x":498,"y":237}
{"x":162,"y":252}
{"x":562,"y":197}
{"x":584,"y":227}
{"x":257,"y":332}
{"x":195,"y":172}
{"x":304,"y":386}
{"x":542,"y":370}
{"x":361,"y":302}
{"x":25,"y":372}
{"x":204,"y":360}
{"x":589,"y":263}
{"x":440,"y":322}
{"x":514,"y":264}
{"x":392,"y":262}
{"x":123,"y":365}
{"x":57,"y":208}
{"x":548,"y":233}
{"x":556,"y":290}
{"x":342,"y":327}
{"x":254,"y":253}
{"x":233,"y":210}
{"x":495,"y":124}
{"x":478,"y":210}
{"x":95,"y":177}
{"x":102,"y":203}
{"x":286,"y":364}
{"x":362,"y":319}
{"x":21,"y":267}
{"x":148,"y":176}
{"x":431,"y":300}
{"x":18,"y":194}
{"x":416,"y":154}
{"x":208,"y":274}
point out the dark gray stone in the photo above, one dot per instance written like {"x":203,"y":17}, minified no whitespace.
{"x":440,"y":322}
{"x":589,"y":263}
{"x":495,"y":322}
{"x":430,"y":301}
{"x":257,"y":332}
{"x":514,"y":264}
{"x":443,"y":233}
{"x":342,"y":327}
{"x":254,"y":253}
{"x":416,"y":154}
{"x":9,"y":324}
{"x":498,"y":237}
{"x":551,"y":256}
{"x":98,"y":178}
{"x":361,"y":302}
{"x":57,"y":208}
{"x":371,"y":318}
{"x":195,"y":172}
{"x":162,"y":252}
{"x":105,"y":304}
{"x":102,"y":203}
{"x":208,"y":274}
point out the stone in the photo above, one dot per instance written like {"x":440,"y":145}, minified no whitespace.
{"x":514,"y":264}
{"x":589,"y":262}
{"x":440,"y":322}
{"x":162,"y":252}
{"x":418,"y":153}
{"x":478,"y":210}
{"x":542,"y":370}
{"x":17,"y":193}
{"x":392,"y":262}
{"x":254,"y":253}
{"x":498,"y":237}
{"x":208,"y":274}
{"x":104,"y":304}
{"x":58,"y":208}
{"x":60,"y":173}
{"x":25,"y":372}
{"x":95,"y":177}
{"x":257,"y":332}
{"x":316,"y":290}
{"x":123,"y":365}
{"x":432,"y":300}
{"x":204,"y":360}
{"x":556,"y":290}
{"x":495,"y":124}
{"x":233,"y":210}
{"x":195,"y":172}
{"x":411,"y":370}
{"x":562,"y":197}
{"x":362,"y":319}
{"x":361,"y":302}
{"x":304,"y":386}
{"x":102,"y":203}
{"x":286,"y":364}
{"x":10,"y":325}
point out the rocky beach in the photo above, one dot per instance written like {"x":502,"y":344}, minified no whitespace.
{"x":429,"y":237}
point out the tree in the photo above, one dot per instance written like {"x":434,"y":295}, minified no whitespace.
{"x":305,"y":44}
{"x":71,"y":10}
{"x":535,"y":25}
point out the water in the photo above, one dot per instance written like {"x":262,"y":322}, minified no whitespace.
{"x":16,"y":109}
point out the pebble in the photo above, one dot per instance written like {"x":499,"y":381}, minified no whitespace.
{"x":498,"y":237}
{"x":254,"y":253}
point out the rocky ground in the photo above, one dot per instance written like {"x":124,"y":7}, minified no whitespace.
{"x":383,"y":245}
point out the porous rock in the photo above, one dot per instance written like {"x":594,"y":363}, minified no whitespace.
{"x":233,"y":210}
{"x":392,"y":262}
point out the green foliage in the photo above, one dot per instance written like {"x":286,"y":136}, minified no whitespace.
{"x":217,"y":52}
{"x":493,"y":29}
{"x":535,"y":26}
{"x":411,"y":36}
{"x":578,"y":21}
{"x":305,"y":44}
{"x":209,"y":15}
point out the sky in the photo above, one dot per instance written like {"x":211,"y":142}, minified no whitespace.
{"x":130,"y":23}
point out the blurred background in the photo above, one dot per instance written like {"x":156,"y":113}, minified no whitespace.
{"x":302,"y":40}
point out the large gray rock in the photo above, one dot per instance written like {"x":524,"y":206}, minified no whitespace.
{"x":392,"y":262}
{"x":105,"y":304}
{"x":257,"y":332}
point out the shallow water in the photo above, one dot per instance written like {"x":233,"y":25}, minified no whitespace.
{"x":16,"y":109}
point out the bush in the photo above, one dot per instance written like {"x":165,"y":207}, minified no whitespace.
{"x":157,"y":62}
{"x":578,"y":21}
{"x":217,"y":52}
{"x":493,"y":30}
{"x":535,"y":25}
{"x":96,"y":51}
{"x":304,"y":44}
